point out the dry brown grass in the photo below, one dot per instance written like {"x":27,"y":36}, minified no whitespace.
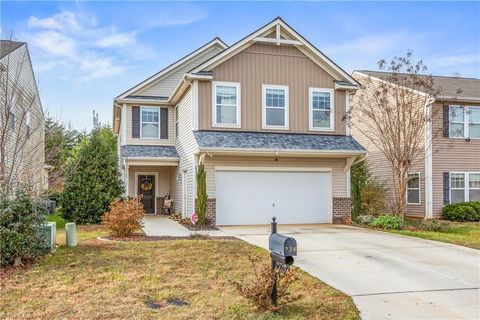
{"x":107,"y":280}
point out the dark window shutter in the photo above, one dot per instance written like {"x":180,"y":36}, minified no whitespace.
{"x":446,"y":121}
{"x":163,"y":123}
{"x":446,"y":187}
{"x":135,"y":122}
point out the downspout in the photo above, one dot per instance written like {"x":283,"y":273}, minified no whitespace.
{"x":428,"y":159}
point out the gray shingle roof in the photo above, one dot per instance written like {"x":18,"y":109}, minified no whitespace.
{"x":449,"y":86}
{"x":280,"y":141}
{"x":7,"y":46}
{"x":149,"y":151}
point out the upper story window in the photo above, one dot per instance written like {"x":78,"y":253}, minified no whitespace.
{"x":150,"y":122}
{"x":12,"y":112}
{"x":176,"y":121}
{"x":226,"y":106}
{"x":28,"y":121}
{"x":275,"y":107}
{"x":464,"y":186}
{"x":464,"y":122}
{"x":321,"y":109}
{"x":413,"y":188}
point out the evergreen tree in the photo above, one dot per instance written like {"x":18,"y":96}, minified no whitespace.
{"x":92,"y":178}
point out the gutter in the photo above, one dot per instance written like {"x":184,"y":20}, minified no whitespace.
{"x":462,"y":99}
{"x":277,"y":152}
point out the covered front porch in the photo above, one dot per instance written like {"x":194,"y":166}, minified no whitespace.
{"x":152,"y":173}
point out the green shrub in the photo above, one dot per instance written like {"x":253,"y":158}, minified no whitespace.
{"x":466,"y":211}
{"x":20,"y":235}
{"x":58,"y":219}
{"x":388,"y":222}
{"x":365,"y":219}
{"x":201,"y":194}
{"x":92,"y":178}
{"x":432,"y":225}
{"x":372,"y":198}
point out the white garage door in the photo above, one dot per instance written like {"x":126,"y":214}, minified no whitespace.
{"x":254,"y":197}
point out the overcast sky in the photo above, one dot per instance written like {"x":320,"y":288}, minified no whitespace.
{"x":86,"y":53}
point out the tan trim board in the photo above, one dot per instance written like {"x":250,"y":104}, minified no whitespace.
{"x":295,"y":169}
{"x":342,"y":153}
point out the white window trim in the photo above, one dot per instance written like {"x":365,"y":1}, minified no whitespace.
{"x":311,"y":90}
{"x":466,"y":189}
{"x":141,"y":122}
{"x":419,"y":190}
{"x":264,"y":107}
{"x":466,"y":122}
{"x":176,"y":124}
{"x":214,"y":105}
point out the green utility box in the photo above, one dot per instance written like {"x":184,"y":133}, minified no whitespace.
{"x":50,"y":232}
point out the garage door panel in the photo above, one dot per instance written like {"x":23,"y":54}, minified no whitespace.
{"x":253,"y":197}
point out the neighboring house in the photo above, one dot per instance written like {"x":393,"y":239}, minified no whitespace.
{"x":22,"y":123}
{"x":448,"y":170}
{"x":264,"y":115}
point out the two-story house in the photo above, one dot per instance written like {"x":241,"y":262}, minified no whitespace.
{"x":22,"y":122}
{"x":448,"y":169}
{"x":264,"y":116}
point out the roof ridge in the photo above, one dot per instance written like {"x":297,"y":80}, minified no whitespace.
{"x":424,"y":75}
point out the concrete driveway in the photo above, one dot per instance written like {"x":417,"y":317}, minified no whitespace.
{"x":388,"y":276}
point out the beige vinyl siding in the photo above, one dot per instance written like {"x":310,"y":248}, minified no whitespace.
{"x":277,"y":65}
{"x":24,"y":157}
{"x":165,"y":85}
{"x":162,"y":185}
{"x":381,"y":168}
{"x":339,"y":178}
{"x":451,"y":155}
{"x":186,"y":147}
{"x":151,"y":142}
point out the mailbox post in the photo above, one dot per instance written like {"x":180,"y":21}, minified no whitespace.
{"x":282,"y":249}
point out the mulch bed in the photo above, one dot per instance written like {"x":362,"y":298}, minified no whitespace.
{"x":136,"y":238}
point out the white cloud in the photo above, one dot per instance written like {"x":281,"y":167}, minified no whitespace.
{"x":65,"y":20}
{"x":54,"y":43}
{"x":96,"y":68}
{"x":117,"y":40}
{"x":72,"y":42}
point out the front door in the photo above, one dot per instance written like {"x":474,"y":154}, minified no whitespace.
{"x":146,"y":188}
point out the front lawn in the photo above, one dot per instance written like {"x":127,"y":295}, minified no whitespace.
{"x":462,"y":233}
{"x":110,"y":280}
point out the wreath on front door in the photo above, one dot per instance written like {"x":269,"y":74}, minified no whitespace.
{"x":146,"y":185}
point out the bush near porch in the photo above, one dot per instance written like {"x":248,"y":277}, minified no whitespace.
{"x":76,"y":282}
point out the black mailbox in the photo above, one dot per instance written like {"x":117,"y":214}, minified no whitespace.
{"x":282,"y":245}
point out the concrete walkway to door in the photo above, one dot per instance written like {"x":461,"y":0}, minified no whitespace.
{"x":161,"y":225}
{"x":388,"y":276}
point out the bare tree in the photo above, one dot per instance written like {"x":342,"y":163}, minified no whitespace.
{"x":394,"y":113}
{"x":21,"y":121}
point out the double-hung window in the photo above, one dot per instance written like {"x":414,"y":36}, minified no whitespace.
{"x":226,"y":104}
{"x":28,"y":121}
{"x":275,"y":107}
{"x":413,"y":188}
{"x":321,"y":111}
{"x":176,"y":121}
{"x":464,"y":122}
{"x":464,"y":186}
{"x":150,"y":122}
